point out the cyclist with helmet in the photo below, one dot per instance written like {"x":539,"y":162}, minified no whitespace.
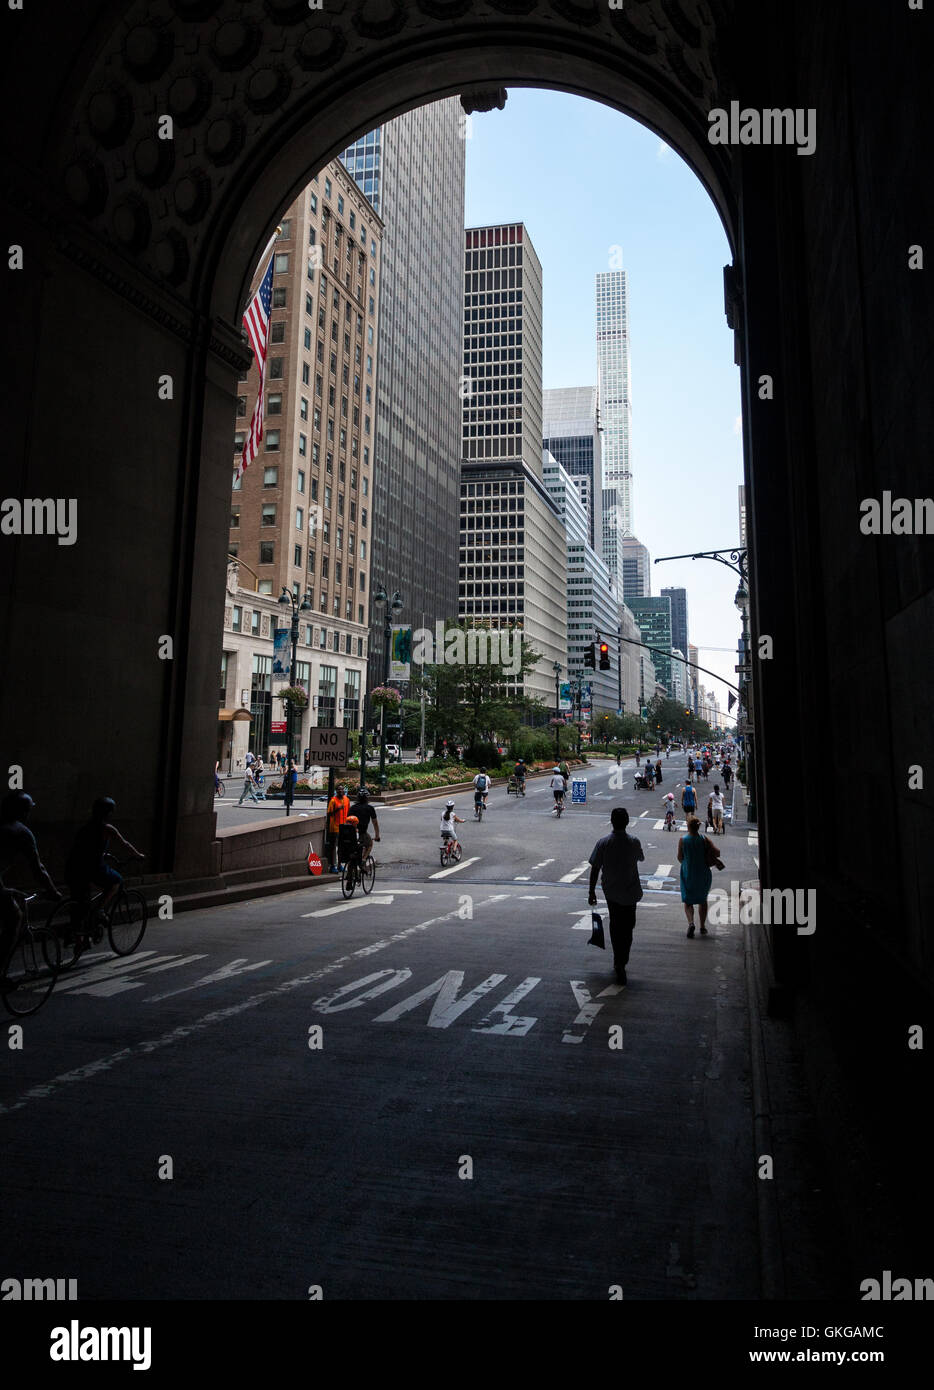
{"x":17,"y":842}
{"x":519,"y":772}
{"x":481,"y":787}
{"x":448,"y":822}
{"x":558,"y":784}
{"x":364,"y":814}
{"x":85,"y":866}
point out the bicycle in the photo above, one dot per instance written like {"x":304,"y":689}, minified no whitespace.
{"x":220,"y":787}
{"x":32,"y":968}
{"x":357,"y":870}
{"x":559,"y":806}
{"x":478,"y":809}
{"x":450,"y":852}
{"x":669,"y":820}
{"x":77,"y":924}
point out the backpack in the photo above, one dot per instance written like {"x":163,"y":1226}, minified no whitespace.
{"x":347,"y":842}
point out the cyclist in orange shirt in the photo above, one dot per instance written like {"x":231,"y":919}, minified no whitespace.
{"x":338,"y":811}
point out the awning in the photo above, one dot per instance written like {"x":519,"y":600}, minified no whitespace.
{"x":225,"y":715}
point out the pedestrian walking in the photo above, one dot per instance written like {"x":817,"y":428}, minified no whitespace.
{"x":338,"y":811}
{"x":658,"y":771}
{"x":249,"y":788}
{"x":616,"y":860}
{"x":688,"y":799}
{"x":696,"y":855}
{"x":715,"y":810}
{"x":249,"y":759}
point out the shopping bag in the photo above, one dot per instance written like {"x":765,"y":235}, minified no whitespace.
{"x":596,"y":935}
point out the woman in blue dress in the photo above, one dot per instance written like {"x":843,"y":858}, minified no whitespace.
{"x":693,"y":856}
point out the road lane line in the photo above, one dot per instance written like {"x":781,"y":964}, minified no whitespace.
{"x":575,"y":873}
{"x":384,"y":899}
{"x":180,"y":1034}
{"x":443,"y":873}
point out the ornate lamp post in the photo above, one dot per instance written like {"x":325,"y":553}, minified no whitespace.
{"x":557,"y":670}
{"x":288,"y":599}
{"x":393,"y":606}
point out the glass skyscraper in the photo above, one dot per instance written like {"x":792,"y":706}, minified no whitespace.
{"x":572,"y":434}
{"x":412,"y":171}
{"x":615,"y":411}
{"x":654,"y":618}
{"x":679,"y":618}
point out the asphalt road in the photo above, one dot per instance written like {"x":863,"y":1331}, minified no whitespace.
{"x":435,"y":1092}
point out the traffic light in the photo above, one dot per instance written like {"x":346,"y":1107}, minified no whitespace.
{"x":688,"y":713}
{"x":604,"y":657}
{"x":590,"y":657}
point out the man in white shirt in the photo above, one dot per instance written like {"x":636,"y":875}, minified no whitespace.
{"x":481,"y":787}
{"x":559,"y":785}
{"x":715,"y":809}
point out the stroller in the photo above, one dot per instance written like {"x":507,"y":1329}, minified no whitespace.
{"x":644,"y":781}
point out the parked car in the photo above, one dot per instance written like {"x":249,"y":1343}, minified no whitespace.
{"x":393,"y":752}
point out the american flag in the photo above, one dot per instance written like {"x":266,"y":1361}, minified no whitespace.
{"x":256,"y":322}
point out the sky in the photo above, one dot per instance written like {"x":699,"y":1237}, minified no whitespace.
{"x":586,"y":180}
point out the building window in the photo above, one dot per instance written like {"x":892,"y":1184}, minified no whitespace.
{"x":323,"y":632}
{"x":340,"y":206}
{"x":254,"y":623}
{"x":235,"y":516}
{"x":266,"y":552}
{"x":299,"y":518}
{"x":302,"y":445}
{"x":261,"y":701}
{"x":314,"y":202}
{"x":277,"y":332}
{"x":270,"y":477}
{"x":282,"y":263}
{"x":264,"y":586}
{"x":327,"y":188}
{"x":300,"y":481}
{"x":297,"y":557}
{"x":274,"y":403}
{"x":268,"y":517}
{"x":275,"y":368}
{"x":236,"y":624}
{"x":306,"y":375}
{"x":303,"y":408}
{"x":311,"y":559}
{"x":241,"y":405}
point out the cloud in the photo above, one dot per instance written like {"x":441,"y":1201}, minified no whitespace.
{"x":738,"y":425}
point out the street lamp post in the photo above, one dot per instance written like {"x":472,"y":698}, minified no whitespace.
{"x":557,"y":670}
{"x":288,"y":599}
{"x":393,"y":606}
{"x":743,"y":721}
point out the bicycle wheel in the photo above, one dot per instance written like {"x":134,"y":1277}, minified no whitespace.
{"x":368,"y":874}
{"x":444,"y":856}
{"x":220,"y":789}
{"x":456,"y":853}
{"x":66,"y":924}
{"x":128,"y":918}
{"x":348,"y":879}
{"x":31,"y":973}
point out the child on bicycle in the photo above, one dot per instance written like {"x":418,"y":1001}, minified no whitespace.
{"x":669,"y":804}
{"x":448,"y":822}
{"x":85,"y":867}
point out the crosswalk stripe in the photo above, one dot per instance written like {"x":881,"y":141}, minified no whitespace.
{"x":575,"y":873}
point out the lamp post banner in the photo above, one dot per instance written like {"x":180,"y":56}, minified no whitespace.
{"x":400,"y":654}
{"x":565,"y":703}
{"x":281,"y":655}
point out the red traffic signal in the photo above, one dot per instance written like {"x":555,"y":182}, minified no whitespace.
{"x":604,"y":656}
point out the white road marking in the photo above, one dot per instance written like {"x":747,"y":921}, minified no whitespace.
{"x":643,"y":814}
{"x":104,"y":989}
{"x":443,"y":873}
{"x":532,"y":897}
{"x":575,"y":873}
{"x":226,"y":972}
{"x":588,"y":1010}
{"x":510,"y":1024}
{"x":543,"y":865}
{"x":199,"y":1025}
{"x":109,"y":967}
{"x":522,"y":878}
{"x":655,"y":881}
{"x":583,"y":922}
{"x":383,"y":899}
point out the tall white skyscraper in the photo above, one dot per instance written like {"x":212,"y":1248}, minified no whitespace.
{"x":614,"y":391}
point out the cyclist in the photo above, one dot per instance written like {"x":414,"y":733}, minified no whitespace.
{"x":448,"y":822}
{"x":338,"y":811}
{"x":363,"y":812}
{"x":519,"y":772}
{"x":669,"y":804}
{"x":17,"y":842}
{"x":559,"y":786}
{"x":85,"y":867}
{"x":481,"y":787}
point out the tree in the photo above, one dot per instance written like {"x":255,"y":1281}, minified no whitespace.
{"x":470,"y":695}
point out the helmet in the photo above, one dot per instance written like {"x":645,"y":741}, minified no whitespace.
{"x":556,"y":769}
{"x":16,"y":806}
{"x":670,"y":796}
{"x":104,"y":806}
{"x":483,"y":769}
{"x":449,"y":805}
{"x":351,"y":820}
{"x":363,"y":794}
